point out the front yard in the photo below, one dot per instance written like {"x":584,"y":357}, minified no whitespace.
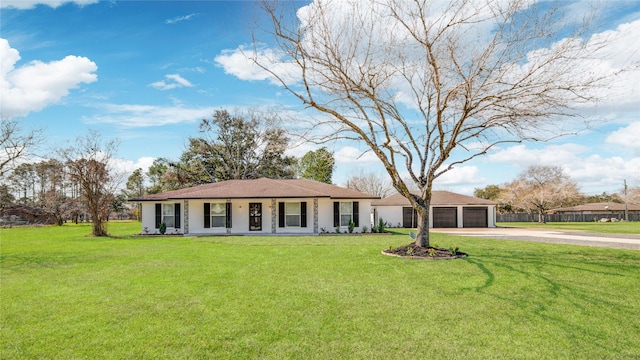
{"x":67,"y":295}
{"x":629,"y":227}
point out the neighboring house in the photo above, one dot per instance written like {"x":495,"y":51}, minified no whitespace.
{"x":447,"y":210}
{"x":602,"y":208}
{"x":260,"y":206}
{"x":19,"y":214}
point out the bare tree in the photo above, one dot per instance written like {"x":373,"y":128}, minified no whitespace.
{"x":371,"y":183}
{"x":540,"y":189}
{"x":23,"y":179}
{"x":51,"y":196}
{"x":415,"y":82}
{"x":633,"y":195}
{"x":14,"y":143}
{"x":89,"y":162}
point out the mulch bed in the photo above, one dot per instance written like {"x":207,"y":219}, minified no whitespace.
{"x":412,"y":251}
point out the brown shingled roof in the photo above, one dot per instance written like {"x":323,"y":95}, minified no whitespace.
{"x":598,"y":207}
{"x":437,"y":198}
{"x":260,"y":188}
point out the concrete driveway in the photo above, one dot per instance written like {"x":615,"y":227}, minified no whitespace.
{"x":620,"y":241}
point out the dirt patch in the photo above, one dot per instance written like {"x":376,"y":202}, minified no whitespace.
{"x":412,"y":251}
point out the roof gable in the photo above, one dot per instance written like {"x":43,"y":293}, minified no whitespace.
{"x":259,"y":188}
{"x":438,"y":198}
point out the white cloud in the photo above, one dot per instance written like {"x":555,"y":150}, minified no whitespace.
{"x":379,"y":36}
{"x":241,"y":62}
{"x":620,"y":52}
{"x":460,"y":175}
{"x":36,"y":85}
{"x":522,"y":157}
{"x":30,"y":4}
{"x":628,"y":137}
{"x":175,"y":81}
{"x":594,"y":173}
{"x":179,"y":19}
{"x":129,"y":166}
{"x":351,"y":156}
{"x":197,"y":69}
{"x":139,"y":116}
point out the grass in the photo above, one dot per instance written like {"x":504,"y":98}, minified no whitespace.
{"x":631,"y":227}
{"x":67,"y":295}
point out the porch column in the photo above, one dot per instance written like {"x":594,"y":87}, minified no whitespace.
{"x":229,"y":228}
{"x":315,"y":215}
{"x":186,"y":217}
{"x":274,"y":215}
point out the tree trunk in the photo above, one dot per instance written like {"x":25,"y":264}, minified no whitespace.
{"x":98,"y":227}
{"x":541,"y":217}
{"x":422,"y":237}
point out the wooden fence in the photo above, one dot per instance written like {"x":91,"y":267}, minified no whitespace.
{"x":526,"y":217}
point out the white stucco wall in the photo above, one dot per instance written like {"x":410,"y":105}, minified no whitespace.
{"x":392,"y":215}
{"x":240,"y":217}
{"x":149,"y":218}
{"x":325,"y":216}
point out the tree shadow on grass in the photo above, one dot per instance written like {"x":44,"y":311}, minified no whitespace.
{"x":575,"y":297}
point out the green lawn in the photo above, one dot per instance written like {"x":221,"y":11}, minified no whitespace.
{"x":631,"y":227}
{"x":65,"y":295}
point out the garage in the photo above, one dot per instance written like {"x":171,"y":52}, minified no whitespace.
{"x":475,"y":217}
{"x":445,"y":217}
{"x":446,"y":210}
{"x":409,"y":217}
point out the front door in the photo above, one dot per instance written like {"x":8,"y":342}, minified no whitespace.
{"x":255,"y":216}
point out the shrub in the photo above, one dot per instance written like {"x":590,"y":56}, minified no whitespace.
{"x":381,"y":225}
{"x":163,"y":228}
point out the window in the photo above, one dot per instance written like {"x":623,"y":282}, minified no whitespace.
{"x":218,"y":215}
{"x":168,"y":215}
{"x":346,"y":213}
{"x":292,"y":214}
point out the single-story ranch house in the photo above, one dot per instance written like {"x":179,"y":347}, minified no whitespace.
{"x":598,"y":208}
{"x":448,"y":210}
{"x":258,"y":206}
{"x":602,"y":211}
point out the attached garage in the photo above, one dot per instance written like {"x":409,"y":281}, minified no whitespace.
{"x":445,"y":217}
{"x":448,"y":210}
{"x":475,"y":217}
{"x":409,"y":217}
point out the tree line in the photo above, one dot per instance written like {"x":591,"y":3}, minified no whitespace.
{"x":541,"y":188}
{"x":232,"y":146}
{"x":83,"y":180}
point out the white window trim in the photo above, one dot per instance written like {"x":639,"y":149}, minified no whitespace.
{"x":350,"y":213}
{"x":173,"y":215}
{"x":287,"y":214}
{"x":223,"y":216}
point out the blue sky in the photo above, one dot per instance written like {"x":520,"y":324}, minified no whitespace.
{"x":146,"y":72}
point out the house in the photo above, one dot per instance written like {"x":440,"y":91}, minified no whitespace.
{"x":602,"y":211}
{"x":20,"y":214}
{"x":258,"y":206}
{"x":447,"y":210}
{"x":610,"y":208}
